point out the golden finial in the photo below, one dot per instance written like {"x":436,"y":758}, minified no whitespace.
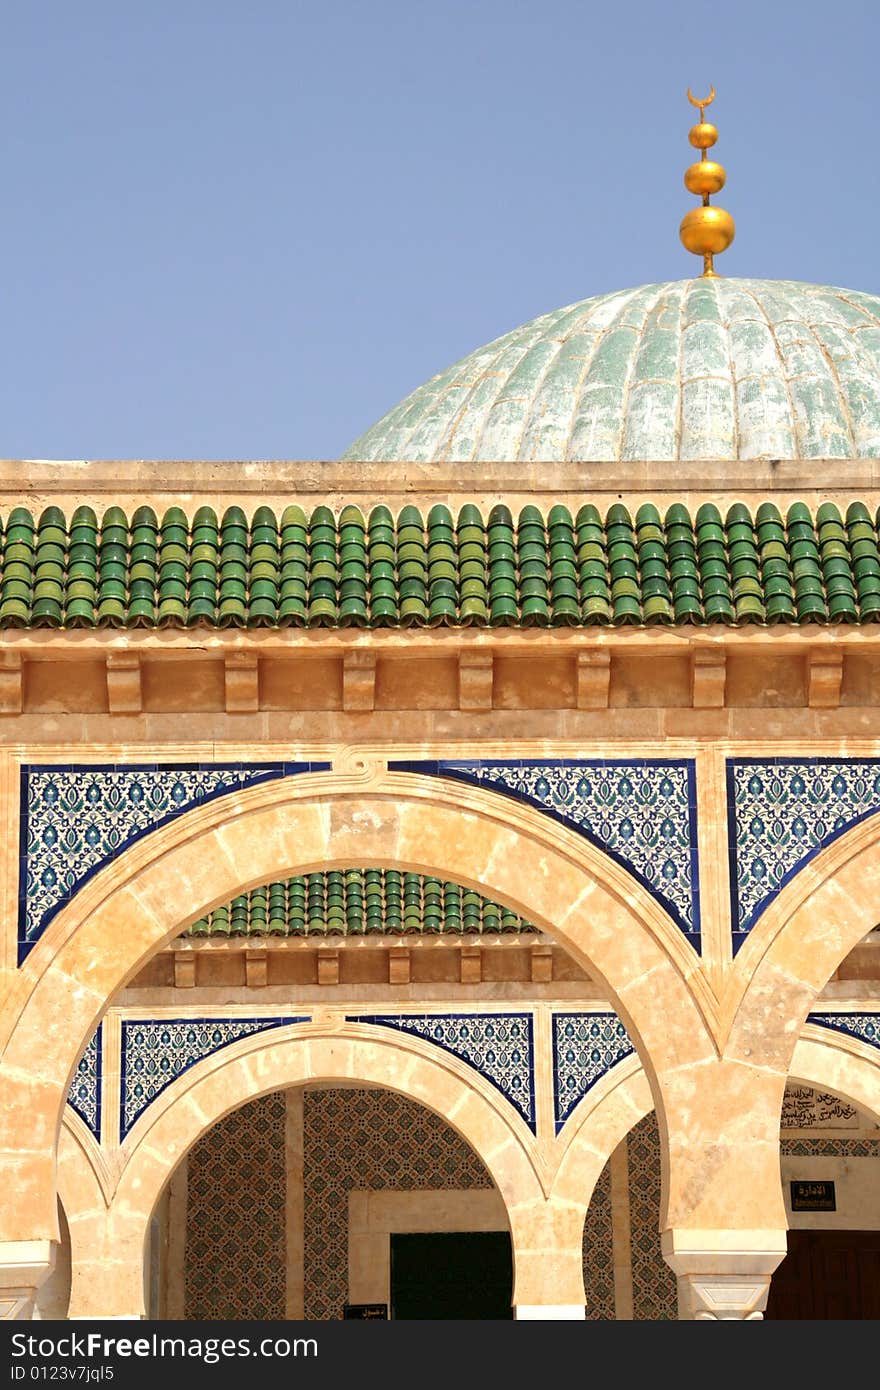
{"x":706,"y":230}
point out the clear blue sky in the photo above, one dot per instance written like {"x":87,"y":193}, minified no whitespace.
{"x":246,"y":230}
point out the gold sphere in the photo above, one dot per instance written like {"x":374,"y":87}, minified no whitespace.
{"x":705,"y":177}
{"x":703,"y":135}
{"x":706,"y":230}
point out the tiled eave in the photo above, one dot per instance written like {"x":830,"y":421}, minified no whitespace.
{"x":342,"y":564}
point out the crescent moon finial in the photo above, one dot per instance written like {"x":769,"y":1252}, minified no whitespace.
{"x":706,"y":101}
{"x":705,"y":230}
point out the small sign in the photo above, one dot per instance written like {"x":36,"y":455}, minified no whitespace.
{"x":365,"y":1310}
{"x":813,"y":1196}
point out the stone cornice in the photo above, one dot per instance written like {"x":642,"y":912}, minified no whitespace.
{"x":129,"y":482}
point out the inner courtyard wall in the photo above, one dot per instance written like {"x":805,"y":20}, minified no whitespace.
{"x":359,"y":1139}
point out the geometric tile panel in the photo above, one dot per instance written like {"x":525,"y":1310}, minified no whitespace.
{"x":782,"y":812}
{"x":499,"y":1046}
{"x":156,"y":1051}
{"x":830,"y":1148}
{"x":585,"y":1047}
{"x":235,"y":1265}
{"x":653,"y":1282}
{"x":84,"y":1095}
{"x":75,"y":819}
{"x":863,"y":1025}
{"x":598,"y":1252}
{"x":367,"y":1139}
{"x":641,"y":812}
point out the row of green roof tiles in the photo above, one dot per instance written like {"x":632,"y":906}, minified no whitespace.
{"x":348,"y":570}
{"x":358,"y":902}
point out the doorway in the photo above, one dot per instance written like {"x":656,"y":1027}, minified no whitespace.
{"x":452,"y":1275}
{"x":827,"y":1274}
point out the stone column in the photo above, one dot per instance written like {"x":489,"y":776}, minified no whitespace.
{"x":548,"y":1261}
{"x":723,"y":1275}
{"x":109,"y":1278}
{"x":724,"y":1222}
{"x":294,"y":1210}
{"x":24,"y":1265}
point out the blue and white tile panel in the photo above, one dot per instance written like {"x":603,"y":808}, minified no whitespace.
{"x":585,"y":1047}
{"x":76,"y":818}
{"x":782,"y":812}
{"x":642,"y":812}
{"x":156,"y":1051}
{"x":499,"y":1046}
{"x":864,"y":1025}
{"x":84,"y":1095}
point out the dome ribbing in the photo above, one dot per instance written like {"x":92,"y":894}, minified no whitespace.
{"x":691,"y":369}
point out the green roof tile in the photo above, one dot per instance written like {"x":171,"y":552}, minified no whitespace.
{"x":358,"y":902}
{"x":560,"y":569}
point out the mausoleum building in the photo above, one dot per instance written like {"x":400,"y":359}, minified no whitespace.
{"x":464,"y":855}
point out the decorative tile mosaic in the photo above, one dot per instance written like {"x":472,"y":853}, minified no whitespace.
{"x":863,"y":1025}
{"x":655,"y":1294}
{"x":782,"y":812}
{"x":74,"y":819}
{"x":373,"y":1139}
{"x":235,"y":1266}
{"x":598,"y":1249}
{"x":585,"y":1047}
{"x":84,"y":1095}
{"x":830,"y":1148}
{"x":643,"y":813}
{"x":156,"y":1051}
{"x":498,"y":1046}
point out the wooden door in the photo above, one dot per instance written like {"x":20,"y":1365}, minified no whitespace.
{"x":827,"y":1275}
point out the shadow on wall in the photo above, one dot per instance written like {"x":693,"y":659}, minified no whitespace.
{"x":53,"y":1298}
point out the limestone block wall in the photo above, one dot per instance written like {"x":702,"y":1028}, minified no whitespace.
{"x":54,"y":1295}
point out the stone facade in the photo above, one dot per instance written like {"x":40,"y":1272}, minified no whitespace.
{"x":685,"y":815}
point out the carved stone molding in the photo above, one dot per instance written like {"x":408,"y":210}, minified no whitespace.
{"x":720,"y":1279}
{"x":727,"y":1299}
{"x":24,"y":1266}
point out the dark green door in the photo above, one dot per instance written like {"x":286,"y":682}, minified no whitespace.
{"x":459,"y":1274}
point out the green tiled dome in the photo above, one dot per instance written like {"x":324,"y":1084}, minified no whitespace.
{"x":692,"y":369}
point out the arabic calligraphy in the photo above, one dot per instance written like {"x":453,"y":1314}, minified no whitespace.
{"x":812,"y":1196}
{"x":804,"y":1108}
